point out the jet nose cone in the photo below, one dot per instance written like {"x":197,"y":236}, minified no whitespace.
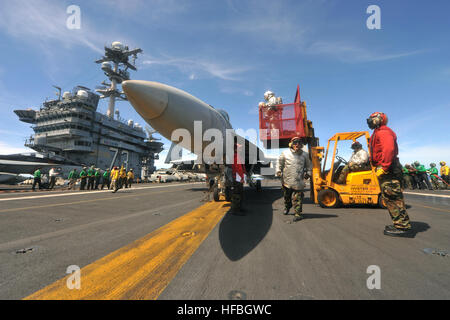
{"x":148,"y":98}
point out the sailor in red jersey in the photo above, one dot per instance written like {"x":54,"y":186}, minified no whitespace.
{"x":384,"y":156}
{"x":238,"y":178}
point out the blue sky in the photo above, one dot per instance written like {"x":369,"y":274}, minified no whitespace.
{"x":229,"y":52}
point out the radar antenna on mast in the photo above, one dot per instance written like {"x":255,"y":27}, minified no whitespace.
{"x":115,"y":66}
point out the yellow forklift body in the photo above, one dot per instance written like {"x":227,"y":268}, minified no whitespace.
{"x":361,"y":187}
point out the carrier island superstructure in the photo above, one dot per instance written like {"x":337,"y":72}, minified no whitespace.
{"x":70,"y":129}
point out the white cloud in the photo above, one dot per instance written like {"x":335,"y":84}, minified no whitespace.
{"x":269,"y":23}
{"x":302,"y":30}
{"x":44,"y":22}
{"x":347,"y":52}
{"x":424,"y":154}
{"x":6,"y":148}
{"x":197,"y":67}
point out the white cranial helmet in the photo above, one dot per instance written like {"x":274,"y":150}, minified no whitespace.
{"x":268,"y":94}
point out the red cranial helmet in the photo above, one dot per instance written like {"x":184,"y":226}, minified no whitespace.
{"x":376,"y":120}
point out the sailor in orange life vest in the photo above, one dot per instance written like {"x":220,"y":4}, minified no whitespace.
{"x":384,"y":156}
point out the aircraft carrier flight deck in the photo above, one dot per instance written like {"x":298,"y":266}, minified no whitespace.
{"x":208,"y":253}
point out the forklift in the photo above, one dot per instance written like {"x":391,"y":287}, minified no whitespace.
{"x":361,"y":187}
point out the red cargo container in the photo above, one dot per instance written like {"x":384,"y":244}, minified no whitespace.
{"x":281,"y":122}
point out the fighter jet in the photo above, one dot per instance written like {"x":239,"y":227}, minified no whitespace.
{"x":27,"y":163}
{"x":166,"y":108}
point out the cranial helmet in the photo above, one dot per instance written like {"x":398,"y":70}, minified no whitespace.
{"x":268,"y":94}
{"x":356,"y":145}
{"x":442,"y":163}
{"x":376,"y":120}
{"x":432,"y":165}
{"x":296,"y":140}
{"x":416,"y":163}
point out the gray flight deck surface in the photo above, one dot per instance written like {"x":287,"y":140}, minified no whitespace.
{"x":261,"y":255}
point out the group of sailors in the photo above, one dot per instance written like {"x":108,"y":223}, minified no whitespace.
{"x":90,"y":178}
{"x":114,"y":179}
{"x":416,"y":176}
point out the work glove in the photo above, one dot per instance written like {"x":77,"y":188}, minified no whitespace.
{"x":380,"y":172}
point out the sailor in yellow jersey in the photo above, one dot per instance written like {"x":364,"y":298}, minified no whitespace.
{"x":115,"y":179}
{"x":130,"y":178}
{"x":122,"y":177}
{"x":445,"y":173}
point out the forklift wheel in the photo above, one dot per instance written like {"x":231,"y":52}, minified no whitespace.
{"x":328,"y":198}
{"x":381,"y":203}
{"x":216,"y":195}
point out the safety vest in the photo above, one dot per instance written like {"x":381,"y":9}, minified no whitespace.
{"x":114,"y":174}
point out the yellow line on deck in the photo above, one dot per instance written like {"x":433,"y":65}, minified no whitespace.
{"x":142,"y":269}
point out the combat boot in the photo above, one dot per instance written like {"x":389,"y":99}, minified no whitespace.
{"x":297,"y":218}
{"x":286,"y":211}
{"x":394,"y":232}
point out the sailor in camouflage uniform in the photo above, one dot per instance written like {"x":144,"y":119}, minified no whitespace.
{"x":384,"y":156}
{"x":293,"y":167}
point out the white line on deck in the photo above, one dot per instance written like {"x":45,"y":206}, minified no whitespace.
{"x":92,"y":192}
{"x":428,"y":194}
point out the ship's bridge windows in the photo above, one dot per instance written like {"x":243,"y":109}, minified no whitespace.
{"x":82,"y":143}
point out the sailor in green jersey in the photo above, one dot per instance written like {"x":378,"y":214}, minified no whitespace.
{"x":434,"y":174}
{"x":73,"y":176}
{"x":422,"y":176}
{"x":106,"y":179}
{"x":407,"y":179}
{"x":91,"y":178}
{"x":97,"y":177}
{"x":37,"y":179}
{"x":83,"y":177}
